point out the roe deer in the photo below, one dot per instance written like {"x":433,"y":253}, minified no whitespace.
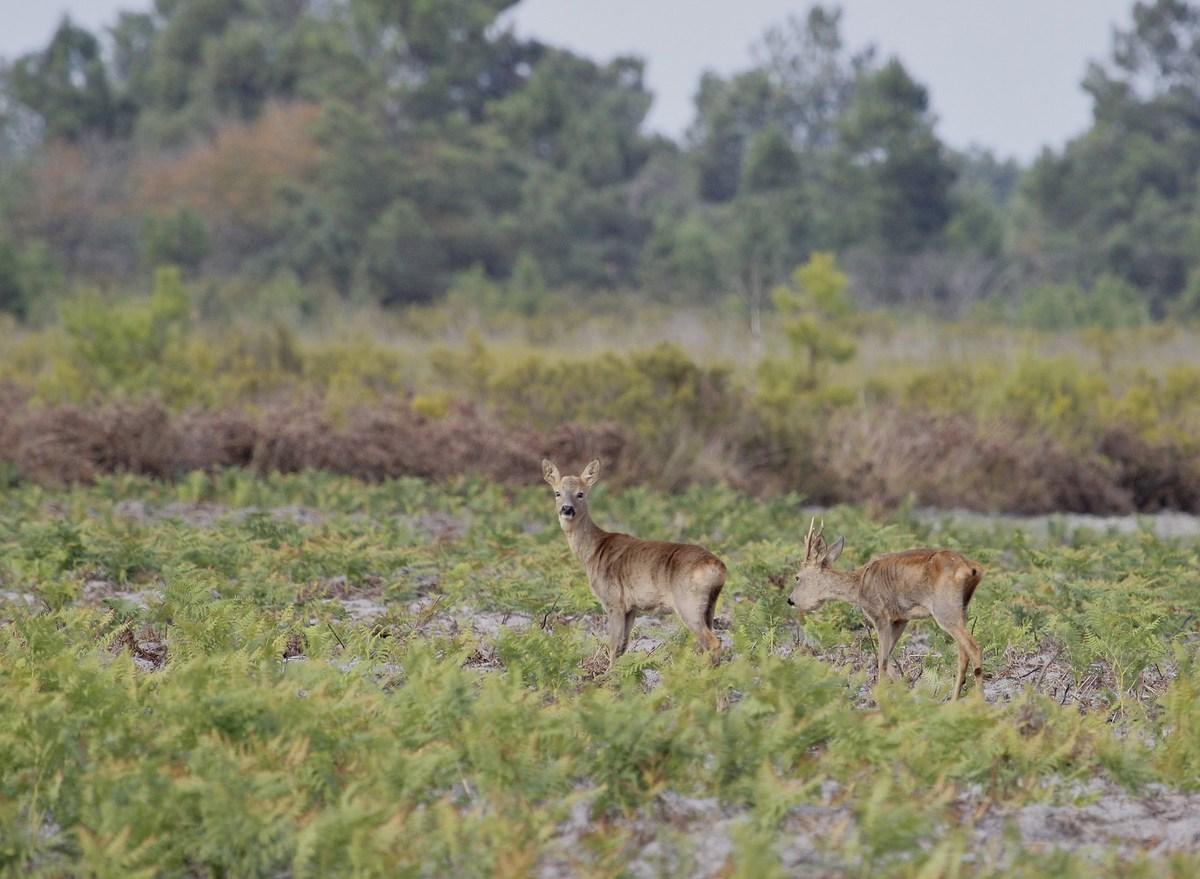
{"x":893,"y":589}
{"x":628,"y":575}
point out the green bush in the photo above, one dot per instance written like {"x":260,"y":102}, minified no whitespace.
{"x":177,"y":239}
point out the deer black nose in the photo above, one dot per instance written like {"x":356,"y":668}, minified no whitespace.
{"x":567,"y":510}
{"x":791,"y":603}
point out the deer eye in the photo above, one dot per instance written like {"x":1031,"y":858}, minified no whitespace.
{"x":557,"y":494}
{"x":580,"y":495}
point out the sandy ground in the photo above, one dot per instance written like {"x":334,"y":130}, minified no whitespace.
{"x":1165,"y":525}
{"x":682,"y":835}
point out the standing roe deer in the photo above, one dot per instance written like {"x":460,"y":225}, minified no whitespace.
{"x":628,"y":575}
{"x":893,"y":589}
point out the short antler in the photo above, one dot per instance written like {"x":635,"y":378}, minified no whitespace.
{"x":814,"y":544}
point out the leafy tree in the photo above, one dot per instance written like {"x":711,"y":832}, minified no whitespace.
{"x":526,"y":289}
{"x":27,"y":274}
{"x":1110,"y":303}
{"x":981,"y":200}
{"x":1121,"y":198}
{"x":683,"y":256}
{"x":178,"y":239}
{"x":132,"y":45}
{"x":67,"y":85}
{"x":402,"y":258}
{"x":761,"y":249}
{"x":580,"y":117}
{"x":891,"y":165}
{"x":238,"y":71}
{"x":444,"y":57}
{"x":771,"y":162}
{"x":728,"y":114}
{"x":812,"y":74}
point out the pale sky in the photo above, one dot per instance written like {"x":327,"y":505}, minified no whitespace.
{"x":1001,"y":73}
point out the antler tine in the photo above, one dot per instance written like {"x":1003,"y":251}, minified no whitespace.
{"x":819,"y":542}
{"x":808,"y":541}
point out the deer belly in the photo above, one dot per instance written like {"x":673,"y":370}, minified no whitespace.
{"x":915,"y":612}
{"x":649,"y":595}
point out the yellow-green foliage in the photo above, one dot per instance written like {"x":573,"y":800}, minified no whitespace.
{"x":815,"y":316}
{"x":677,"y":398}
{"x":388,"y":750}
{"x":661,"y":396}
{"x":131,"y":347}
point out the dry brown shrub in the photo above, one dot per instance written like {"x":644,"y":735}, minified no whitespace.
{"x":1157,"y":477}
{"x":56,"y":445}
{"x":216,"y":439}
{"x":292,"y":438}
{"x":883,"y":456}
{"x":879,"y":456}
{"x":392,"y":440}
{"x":12,"y":406}
{"x":137,"y":438}
{"x":572,"y":446}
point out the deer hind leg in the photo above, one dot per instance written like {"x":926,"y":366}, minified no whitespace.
{"x":619,"y":624}
{"x":694,"y":610}
{"x":897,"y":630}
{"x":711,"y":610}
{"x":954,"y":624}
{"x":883,"y":631}
{"x":629,"y":618}
{"x":961,"y":677}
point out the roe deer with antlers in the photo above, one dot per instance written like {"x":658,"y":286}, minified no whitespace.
{"x":893,"y":589}
{"x":628,"y":575}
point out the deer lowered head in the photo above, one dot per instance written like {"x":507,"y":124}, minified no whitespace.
{"x":816,"y":582}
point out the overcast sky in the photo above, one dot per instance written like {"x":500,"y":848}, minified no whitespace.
{"x":1002,"y":73}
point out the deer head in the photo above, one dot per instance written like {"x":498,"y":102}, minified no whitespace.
{"x":570,"y":492}
{"x":814,"y":582}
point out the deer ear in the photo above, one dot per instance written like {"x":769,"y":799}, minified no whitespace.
{"x":550,"y":473}
{"x":832,"y":554}
{"x":591,"y":473}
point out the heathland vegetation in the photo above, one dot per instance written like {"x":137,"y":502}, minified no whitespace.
{"x":311,"y":676}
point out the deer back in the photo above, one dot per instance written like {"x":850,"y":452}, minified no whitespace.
{"x":896,"y":583}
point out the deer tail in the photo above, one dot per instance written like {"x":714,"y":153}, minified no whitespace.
{"x":971,"y":574}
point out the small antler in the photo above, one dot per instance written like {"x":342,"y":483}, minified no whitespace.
{"x":818,"y":542}
{"x":808,"y":541}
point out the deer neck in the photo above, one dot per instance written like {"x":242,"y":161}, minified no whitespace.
{"x":841,"y":585}
{"x":583,"y":536}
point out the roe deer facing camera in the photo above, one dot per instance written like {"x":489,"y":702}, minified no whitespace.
{"x":628,"y":575}
{"x":893,"y":589}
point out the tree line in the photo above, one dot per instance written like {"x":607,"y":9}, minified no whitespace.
{"x":386,"y":149}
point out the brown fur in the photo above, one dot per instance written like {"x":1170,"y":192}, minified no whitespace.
{"x":628,"y":575}
{"x":894,"y":589}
